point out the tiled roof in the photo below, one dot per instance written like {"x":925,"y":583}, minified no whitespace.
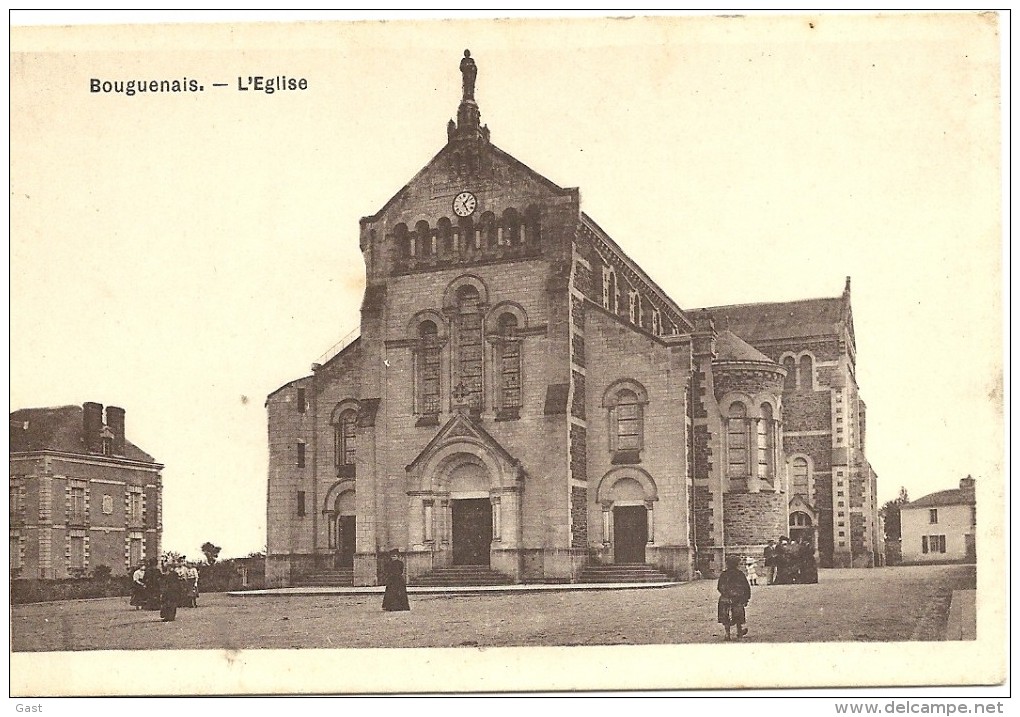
{"x":57,"y":429}
{"x":783,"y":320}
{"x":955,"y":496}
{"x":730,"y":347}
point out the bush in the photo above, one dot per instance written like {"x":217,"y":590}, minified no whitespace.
{"x":226,"y":575}
{"x":217,"y":578}
{"x":33,"y":590}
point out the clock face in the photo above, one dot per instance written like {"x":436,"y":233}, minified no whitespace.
{"x":464,"y":204}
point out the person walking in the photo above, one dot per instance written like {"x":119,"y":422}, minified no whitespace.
{"x":171,"y":593}
{"x":395,"y":597}
{"x":734,"y":594}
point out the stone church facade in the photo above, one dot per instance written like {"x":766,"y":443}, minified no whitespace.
{"x":523,"y":396}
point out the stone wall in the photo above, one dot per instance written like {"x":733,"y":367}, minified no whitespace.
{"x":753,"y":518}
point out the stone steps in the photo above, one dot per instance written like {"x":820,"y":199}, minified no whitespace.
{"x":343,"y":577}
{"x":461,"y":576}
{"x":623,"y":573}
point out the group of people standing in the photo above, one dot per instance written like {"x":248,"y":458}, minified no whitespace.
{"x":164,"y":587}
{"x":790,"y":561}
{"x":786,"y":563}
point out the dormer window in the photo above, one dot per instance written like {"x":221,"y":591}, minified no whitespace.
{"x":106,"y":442}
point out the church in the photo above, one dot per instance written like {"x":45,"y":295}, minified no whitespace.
{"x":524,"y":404}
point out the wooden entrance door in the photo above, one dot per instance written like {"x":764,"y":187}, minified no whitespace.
{"x":345,"y":526}
{"x":472,"y":531}
{"x":630,"y":533}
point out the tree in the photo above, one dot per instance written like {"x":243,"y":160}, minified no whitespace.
{"x":891,"y":514}
{"x":211,"y":552}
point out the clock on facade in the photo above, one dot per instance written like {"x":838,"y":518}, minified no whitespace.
{"x":464,"y":204}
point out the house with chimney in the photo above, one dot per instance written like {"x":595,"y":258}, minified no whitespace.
{"x":81,"y":494}
{"x":940,"y":527}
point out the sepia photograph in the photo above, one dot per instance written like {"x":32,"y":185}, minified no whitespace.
{"x":449,"y":354}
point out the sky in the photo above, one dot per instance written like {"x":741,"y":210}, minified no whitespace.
{"x":184,"y":255}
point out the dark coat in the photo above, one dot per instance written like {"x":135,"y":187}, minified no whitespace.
{"x":734,"y":594}
{"x":151,"y":594}
{"x":734,"y":587}
{"x":172,"y":592}
{"x":395,"y":597}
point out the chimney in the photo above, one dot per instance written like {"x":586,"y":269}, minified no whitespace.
{"x":115,"y":422}
{"x":967,"y":483}
{"x":92,"y":424}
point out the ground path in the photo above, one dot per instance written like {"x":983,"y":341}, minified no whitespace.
{"x":884,"y":604}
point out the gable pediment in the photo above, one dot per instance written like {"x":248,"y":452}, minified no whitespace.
{"x":799,"y":504}
{"x":494,"y":175}
{"x":461,"y":429}
{"x":460,"y":441}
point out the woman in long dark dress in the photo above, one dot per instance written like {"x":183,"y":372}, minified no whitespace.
{"x":153,"y":580}
{"x":171,"y":595}
{"x":395,"y":597}
{"x":808,"y":565}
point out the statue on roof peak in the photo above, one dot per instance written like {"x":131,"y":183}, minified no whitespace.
{"x":469,"y":71}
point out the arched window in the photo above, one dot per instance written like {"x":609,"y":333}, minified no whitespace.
{"x":800,"y":520}
{"x":790,"y":382}
{"x":737,"y":441}
{"x":344,"y":439}
{"x":511,"y":226}
{"x":466,"y":227}
{"x":634,"y":307}
{"x":806,"y":375}
{"x":424,"y":239}
{"x":612,"y":304}
{"x":608,"y":287}
{"x":626,"y":401}
{"x":766,"y":444}
{"x":403,"y":241}
{"x":656,"y":322}
{"x":428,"y":368}
{"x":487,"y":226}
{"x":509,"y":366}
{"x":628,"y":421}
{"x":444,"y":230}
{"x":800,"y":479}
{"x":469,"y":347}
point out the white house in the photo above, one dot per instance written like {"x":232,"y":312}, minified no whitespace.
{"x":940,"y":527}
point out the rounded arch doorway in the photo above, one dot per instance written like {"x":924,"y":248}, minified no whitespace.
{"x":470,"y":511}
{"x":342,"y":529}
{"x":627,"y":496}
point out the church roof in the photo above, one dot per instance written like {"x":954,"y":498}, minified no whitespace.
{"x":57,"y":429}
{"x":781,"y":320}
{"x":730,"y":347}
{"x":954,"y":496}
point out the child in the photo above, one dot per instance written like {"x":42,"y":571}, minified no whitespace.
{"x":734,"y":594}
{"x":752,"y":571}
